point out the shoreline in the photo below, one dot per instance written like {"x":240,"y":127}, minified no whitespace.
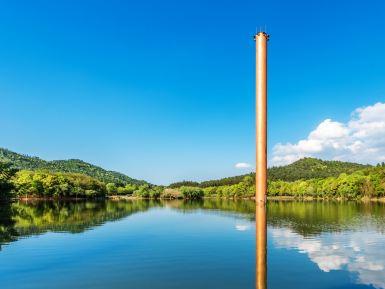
{"x":127,"y":197}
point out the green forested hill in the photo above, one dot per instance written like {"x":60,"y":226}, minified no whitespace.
{"x":311,"y":168}
{"x":71,"y":166}
{"x":303,"y":169}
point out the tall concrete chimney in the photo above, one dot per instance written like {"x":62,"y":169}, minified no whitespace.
{"x":261,"y":117}
{"x":261,"y":160}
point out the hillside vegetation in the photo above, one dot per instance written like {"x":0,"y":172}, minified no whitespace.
{"x":24,"y":176}
{"x":311,"y":168}
{"x":24,"y":162}
{"x":368,"y":182}
{"x":307,"y":177}
{"x":303,"y":169}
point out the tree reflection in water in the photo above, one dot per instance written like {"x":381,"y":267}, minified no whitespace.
{"x":334,"y":235}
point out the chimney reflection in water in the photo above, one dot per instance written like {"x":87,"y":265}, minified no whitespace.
{"x":261,"y":242}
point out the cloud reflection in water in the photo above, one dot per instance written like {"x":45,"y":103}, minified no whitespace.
{"x":361,"y":253}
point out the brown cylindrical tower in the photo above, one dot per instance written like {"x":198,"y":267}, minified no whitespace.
{"x":261,"y":117}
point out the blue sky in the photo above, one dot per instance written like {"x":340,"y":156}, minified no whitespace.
{"x":164,"y":90}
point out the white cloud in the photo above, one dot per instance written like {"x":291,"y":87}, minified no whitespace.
{"x":361,"y":139}
{"x":242,"y":227}
{"x":242,"y":165}
{"x":360,"y":253}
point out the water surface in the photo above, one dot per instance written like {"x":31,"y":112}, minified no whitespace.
{"x":178,"y":244}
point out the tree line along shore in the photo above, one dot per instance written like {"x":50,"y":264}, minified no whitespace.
{"x":29,"y":177}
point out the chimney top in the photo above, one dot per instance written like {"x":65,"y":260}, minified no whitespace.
{"x":267,"y":36}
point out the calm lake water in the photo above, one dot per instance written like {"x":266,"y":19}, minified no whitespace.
{"x":176,"y":244}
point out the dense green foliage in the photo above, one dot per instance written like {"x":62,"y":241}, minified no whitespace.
{"x":6,"y":174}
{"x":75,"y":179}
{"x":243,"y":189}
{"x":24,"y":162}
{"x":213,"y":183}
{"x":364,"y":183}
{"x":369,"y":182}
{"x":192,"y":193}
{"x":33,"y":177}
{"x":70,"y":185}
{"x":304,"y":169}
{"x":310,"y":168}
{"x":48,"y":184}
{"x":146,"y":191}
{"x":113,"y":189}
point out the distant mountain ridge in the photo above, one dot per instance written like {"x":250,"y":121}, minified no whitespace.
{"x":303,"y":169}
{"x":25,"y":162}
